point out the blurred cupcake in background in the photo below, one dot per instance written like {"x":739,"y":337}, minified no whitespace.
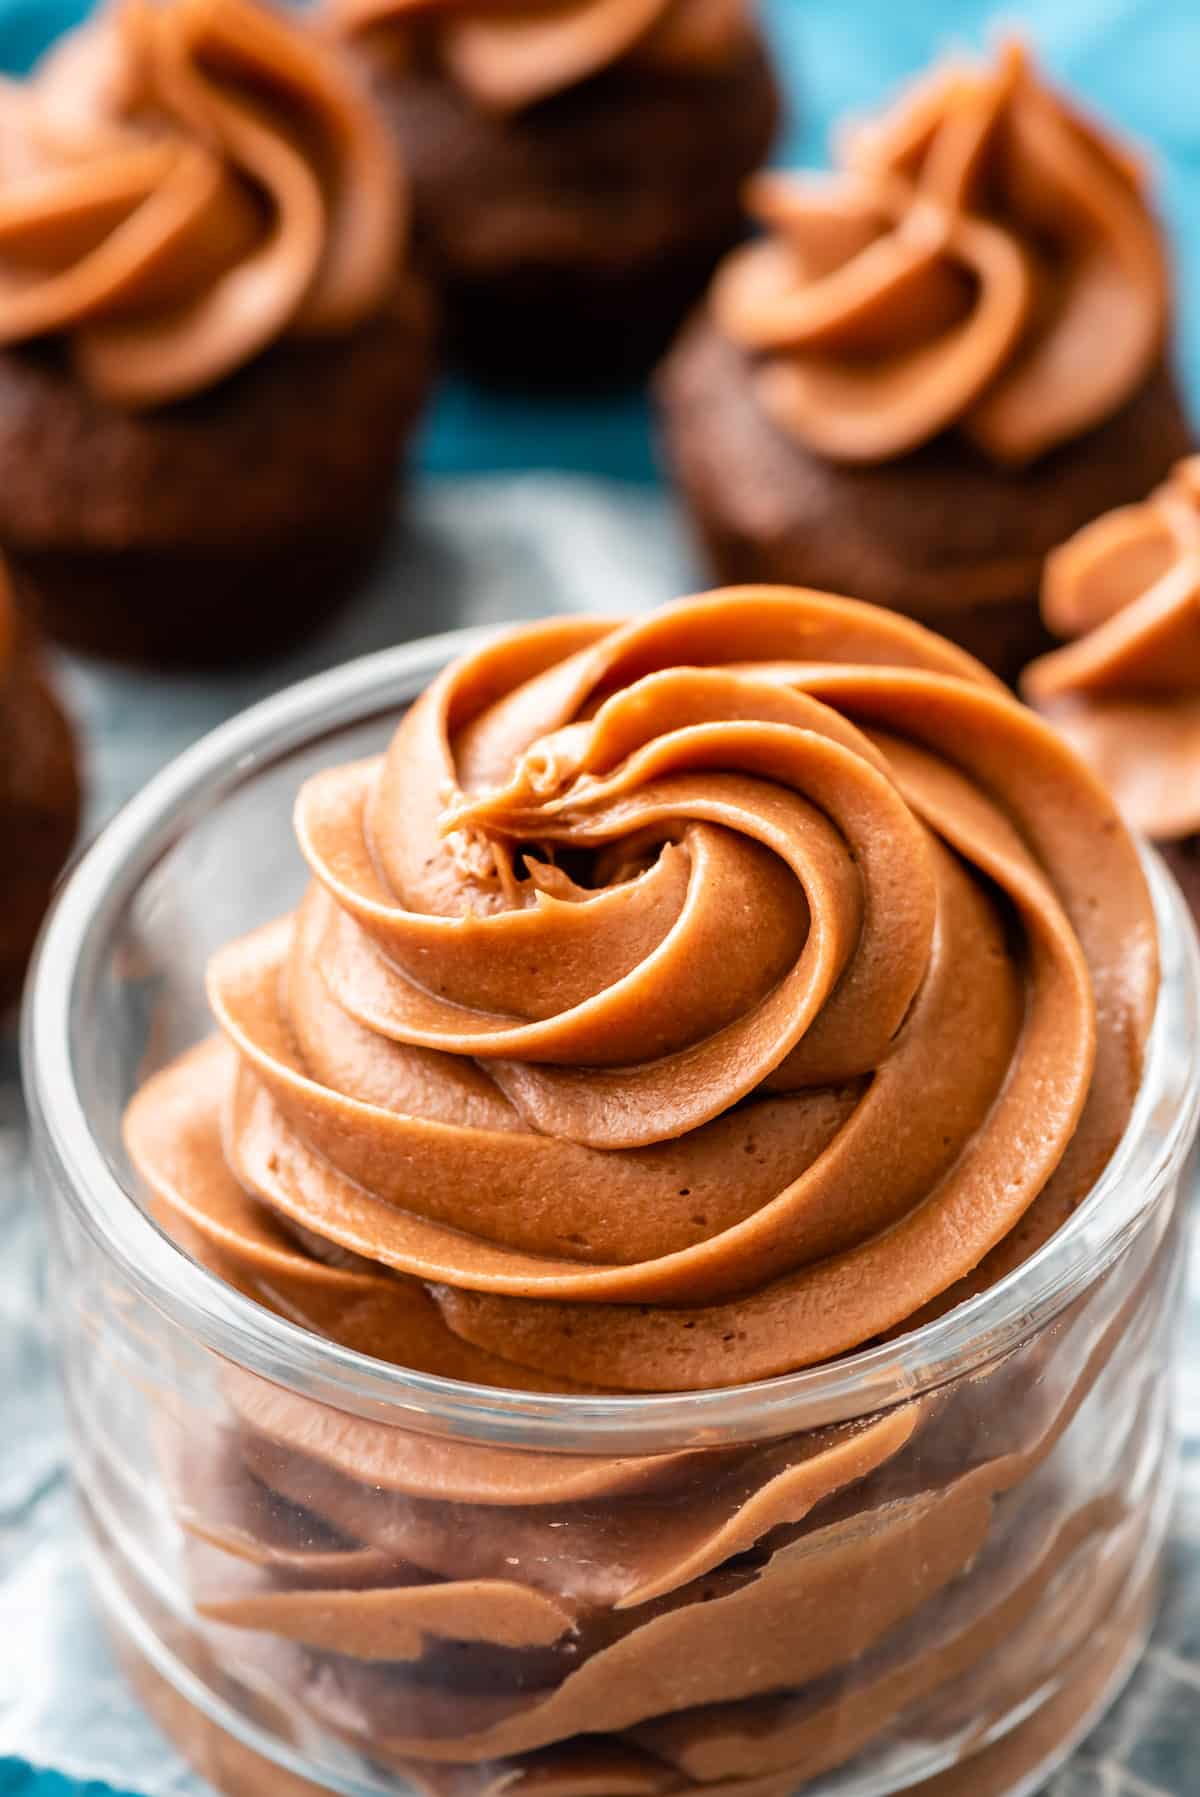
{"x":211,"y":354}
{"x":936,"y":363}
{"x":39,"y":796}
{"x":577,"y":166}
{"x":1125,"y":690}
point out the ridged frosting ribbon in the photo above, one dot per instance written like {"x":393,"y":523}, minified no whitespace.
{"x":509,"y":54}
{"x":675,"y":1002}
{"x":184,"y":182}
{"x":983,"y":258}
{"x":654,"y":1626}
{"x":1125,"y":689}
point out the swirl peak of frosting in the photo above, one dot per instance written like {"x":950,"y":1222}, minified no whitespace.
{"x":983,"y":258}
{"x":676,"y":1002}
{"x":509,"y":54}
{"x":182,"y":182}
{"x":1125,"y":688}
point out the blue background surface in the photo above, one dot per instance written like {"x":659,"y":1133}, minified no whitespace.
{"x":1137,"y":61}
{"x":20,"y":1780}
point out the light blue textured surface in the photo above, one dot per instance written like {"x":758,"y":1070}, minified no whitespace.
{"x":1138,"y":61}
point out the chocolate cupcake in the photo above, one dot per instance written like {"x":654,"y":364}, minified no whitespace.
{"x":937,"y":363}
{"x":1125,"y":691}
{"x":39,"y":796}
{"x":577,"y":167}
{"x":211,"y":354}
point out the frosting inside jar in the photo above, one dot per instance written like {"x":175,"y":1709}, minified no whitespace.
{"x":509,"y":54}
{"x":983,"y":258}
{"x":676,"y":1002}
{"x":1125,"y":689}
{"x":184,"y":182}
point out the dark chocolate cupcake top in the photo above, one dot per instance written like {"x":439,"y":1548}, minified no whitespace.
{"x":509,"y":54}
{"x":675,"y":1003}
{"x":1125,"y":690}
{"x":983,"y":258}
{"x":182,"y":182}
{"x":8,"y":623}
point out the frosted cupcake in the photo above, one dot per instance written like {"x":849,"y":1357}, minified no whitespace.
{"x":1125,"y":690}
{"x":209,"y":364}
{"x":577,"y":166}
{"x":936,"y":363}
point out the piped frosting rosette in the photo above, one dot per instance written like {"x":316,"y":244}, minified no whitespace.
{"x":509,"y":54}
{"x":983,"y":258}
{"x":675,"y":1003}
{"x":1125,"y":688}
{"x":183,"y":182}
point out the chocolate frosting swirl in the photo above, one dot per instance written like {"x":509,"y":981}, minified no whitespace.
{"x":983,"y":258}
{"x":184,"y":182}
{"x":676,"y":1002}
{"x":509,"y":54}
{"x":1125,"y":690}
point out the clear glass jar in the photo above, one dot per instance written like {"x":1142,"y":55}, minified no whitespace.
{"x":326,"y":1573}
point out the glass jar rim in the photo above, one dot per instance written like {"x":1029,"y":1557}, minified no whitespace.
{"x":1147,"y":1161}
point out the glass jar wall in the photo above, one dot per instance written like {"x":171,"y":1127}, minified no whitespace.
{"x":922,"y":1568}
